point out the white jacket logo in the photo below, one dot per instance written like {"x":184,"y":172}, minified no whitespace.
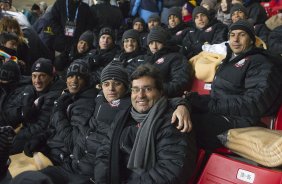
{"x":240,"y":63}
{"x":160,"y":61}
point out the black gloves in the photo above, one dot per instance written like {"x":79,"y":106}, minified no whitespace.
{"x":35,"y":145}
{"x":62,"y":102}
{"x":29,"y":96}
{"x":6,"y":139}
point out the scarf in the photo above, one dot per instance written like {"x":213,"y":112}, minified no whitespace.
{"x":142,"y":156}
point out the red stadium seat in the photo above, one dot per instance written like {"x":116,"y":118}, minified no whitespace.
{"x":200,"y":159}
{"x":201,"y":87}
{"x":224,"y":170}
{"x":278,"y":120}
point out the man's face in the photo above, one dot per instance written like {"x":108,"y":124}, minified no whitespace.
{"x":138,"y":26}
{"x":113,"y":90}
{"x":239,"y":41}
{"x":238,"y":15}
{"x":173,"y":21}
{"x":153,"y":23}
{"x":41,"y":80}
{"x":155,"y":46}
{"x":75,"y":83}
{"x":5,"y":6}
{"x":105,"y":42}
{"x":201,"y":20}
{"x":82,"y":46}
{"x":130,"y":45}
{"x":144,"y":94}
{"x":11,"y":44}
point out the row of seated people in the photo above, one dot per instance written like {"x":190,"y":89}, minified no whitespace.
{"x":244,"y":89}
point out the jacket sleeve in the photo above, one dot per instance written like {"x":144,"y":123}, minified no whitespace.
{"x":42,"y":121}
{"x":135,"y":7}
{"x":220,"y":34}
{"x":180,"y":76}
{"x":261,"y":90}
{"x":275,"y":40}
{"x":176,"y":156}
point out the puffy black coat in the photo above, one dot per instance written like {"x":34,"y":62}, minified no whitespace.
{"x":59,"y":19}
{"x":246,"y":88}
{"x":275,"y":40}
{"x":175,"y":153}
{"x":71,"y":126}
{"x":41,"y":118}
{"x":10,"y":103}
{"x":99,"y":125}
{"x":194,"y":38}
{"x":262,"y":32}
{"x":256,"y":12}
{"x":175,"y":70}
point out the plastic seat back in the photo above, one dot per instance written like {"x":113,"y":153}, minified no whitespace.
{"x":224,"y":170}
{"x":278,"y":120}
{"x":201,"y":87}
{"x":200,"y":159}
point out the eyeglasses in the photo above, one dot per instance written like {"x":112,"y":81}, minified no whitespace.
{"x":136,"y":90}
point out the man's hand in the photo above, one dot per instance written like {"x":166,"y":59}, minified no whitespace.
{"x":62,"y":102}
{"x":181,"y":116}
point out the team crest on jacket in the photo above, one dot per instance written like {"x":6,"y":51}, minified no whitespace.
{"x":115,"y":103}
{"x":208,"y":29}
{"x":160,"y":61}
{"x":240,"y":63}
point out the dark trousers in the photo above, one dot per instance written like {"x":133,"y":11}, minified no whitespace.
{"x":207,"y":126}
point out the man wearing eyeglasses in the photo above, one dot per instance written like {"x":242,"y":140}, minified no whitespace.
{"x":143,"y":146}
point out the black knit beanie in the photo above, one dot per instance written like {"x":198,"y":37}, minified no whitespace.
{"x":10,"y":71}
{"x":115,"y":71}
{"x":158,"y":34}
{"x":246,"y":26}
{"x":138,"y":19}
{"x":31,"y":177}
{"x":88,"y":37}
{"x":200,"y":9}
{"x":80,"y":68}
{"x":131,"y":33}
{"x":43,"y":65}
{"x":107,"y":31}
{"x":238,"y":7}
{"x":154,"y":17}
{"x":175,"y":11}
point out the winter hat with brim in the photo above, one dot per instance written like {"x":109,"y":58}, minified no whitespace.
{"x":88,"y":37}
{"x":107,"y":31}
{"x":43,"y":65}
{"x":115,"y":71}
{"x":80,"y":68}
{"x":157,"y":34}
{"x":131,"y":34}
{"x":246,"y":26}
{"x":154,"y":17}
{"x":238,"y":7}
{"x":174,"y":11}
{"x":10,"y":71}
{"x":200,"y":9}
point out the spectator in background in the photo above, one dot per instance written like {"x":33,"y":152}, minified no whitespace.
{"x":175,"y":70}
{"x":70,"y":19}
{"x":146,"y":8}
{"x":140,"y":26}
{"x":6,"y":5}
{"x":106,"y":15}
{"x":43,"y":7}
{"x":167,"y":4}
{"x":223,"y":13}
{"x":211,"y":6}
{"x":239,"y":12}
{"x":34,"y":13}
{"x":187,"y":10}
{"x":206,"y":30}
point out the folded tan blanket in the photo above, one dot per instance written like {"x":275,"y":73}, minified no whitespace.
{"x":261,"y":145}
{"x":20,"y":163}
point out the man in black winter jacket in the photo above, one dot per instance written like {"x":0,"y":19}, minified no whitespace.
{"x":37,"y":102}
{"x":205,"y":30}
{"x":143,"y":146}
{"x":245,"y":88}
{"x":11,"y":86}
